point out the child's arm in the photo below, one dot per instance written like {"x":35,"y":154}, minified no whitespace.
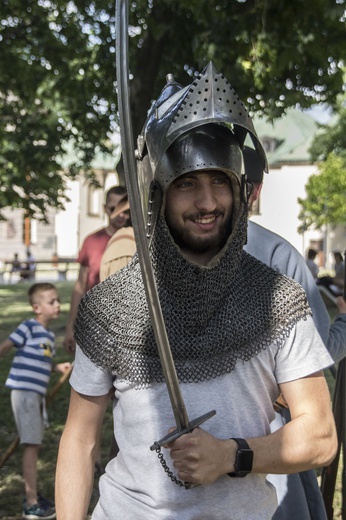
{"x":5,"y":346}
{"x":62,"y":367}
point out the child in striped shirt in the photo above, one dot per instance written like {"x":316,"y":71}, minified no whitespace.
{"x":28,"y":379}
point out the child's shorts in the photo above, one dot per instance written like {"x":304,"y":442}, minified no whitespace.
{"x":27,"y":411}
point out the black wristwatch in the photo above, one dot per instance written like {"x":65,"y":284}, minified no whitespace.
{"x":243,"y":459}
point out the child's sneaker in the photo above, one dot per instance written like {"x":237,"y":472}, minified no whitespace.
{"x":44,"y":502}
{"x":36,"y":512}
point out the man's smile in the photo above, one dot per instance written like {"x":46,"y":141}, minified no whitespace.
{"x":205,"y":220}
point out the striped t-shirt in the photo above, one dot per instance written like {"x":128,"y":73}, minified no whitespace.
{"x":32,"y":362}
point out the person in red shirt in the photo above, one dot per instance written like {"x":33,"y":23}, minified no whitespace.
{"x":90,"y":256}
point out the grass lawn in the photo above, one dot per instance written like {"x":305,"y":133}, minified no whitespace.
{"x":14,"y":308}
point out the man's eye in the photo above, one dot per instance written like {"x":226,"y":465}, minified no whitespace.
{"x":222,"y":182}
{"x":184,"y":184}
{"x":111,"y":209}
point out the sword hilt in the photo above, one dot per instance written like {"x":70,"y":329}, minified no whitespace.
{"x":172,"y":436}
{"x":175,"y":434}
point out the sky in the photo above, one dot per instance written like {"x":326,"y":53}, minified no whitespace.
{"x":321,"y":113}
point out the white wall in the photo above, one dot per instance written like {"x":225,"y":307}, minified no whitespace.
{"x":76,"y":222}
{"x":66,"y":223}
{"x":279,"y":208}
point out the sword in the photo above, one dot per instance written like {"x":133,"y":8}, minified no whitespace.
{"x":183,"y":425}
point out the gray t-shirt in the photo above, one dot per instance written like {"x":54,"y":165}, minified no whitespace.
{"x":135,"y":485}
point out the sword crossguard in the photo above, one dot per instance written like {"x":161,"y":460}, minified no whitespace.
{"x":175,"y":434}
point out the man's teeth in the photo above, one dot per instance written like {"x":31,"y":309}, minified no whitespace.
{"x":205,"y":220}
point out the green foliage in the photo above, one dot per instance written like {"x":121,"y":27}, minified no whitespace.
{"x":332,"y":138}
{"x":275,"y":54}
{"x":52,"y":92}
{"x":325,"y":202}
{"x":57,"y":73}
{"x":326,"y":193}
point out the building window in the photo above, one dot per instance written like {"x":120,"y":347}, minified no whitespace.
{"x":10,"y":229}
{"x":27,"y":231}
{"x":269,"y":144}
{"x":30,"y":231}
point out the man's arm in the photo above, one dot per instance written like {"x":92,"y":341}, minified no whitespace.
{"x":307,"y":441}
{"x":78,"y":292}
{"x":5,"y":346}
{"x":76,"y":457}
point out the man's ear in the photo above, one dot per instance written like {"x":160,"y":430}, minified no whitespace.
{"x":255,"y":192}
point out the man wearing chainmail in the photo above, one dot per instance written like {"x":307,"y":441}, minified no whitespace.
{"x":240,"y":335}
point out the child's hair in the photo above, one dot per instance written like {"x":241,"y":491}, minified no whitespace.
{"x":38,"y":288}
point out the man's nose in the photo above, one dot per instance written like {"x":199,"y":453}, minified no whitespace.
{"x":205,"y":199}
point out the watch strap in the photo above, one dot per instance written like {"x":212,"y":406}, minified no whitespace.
{"x":240,"y":471}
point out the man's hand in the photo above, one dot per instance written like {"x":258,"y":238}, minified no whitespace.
{"x":79,"y":289}
{"x":341,"y":304}
{"x":201,"y":458}
{"x":62,"y":367}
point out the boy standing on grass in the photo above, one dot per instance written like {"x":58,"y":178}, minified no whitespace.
{"x":28,"y":378}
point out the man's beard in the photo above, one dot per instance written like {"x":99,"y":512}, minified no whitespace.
{"x":187,"y":240}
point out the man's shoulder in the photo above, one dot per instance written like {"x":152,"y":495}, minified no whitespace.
{"x":120,"y":244}
{"x":97,"y":234}
{"x":260,"y":268}
{"x":104,"y":303}
{"x":125,"y":279}
{"x":267,"y":245}
{"x":99,"y":237}
{"x":256,"y":230}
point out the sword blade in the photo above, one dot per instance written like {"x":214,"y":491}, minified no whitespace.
{"x":127,"y":145}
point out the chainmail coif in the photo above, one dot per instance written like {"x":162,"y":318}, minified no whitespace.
{"x":215,"y":315}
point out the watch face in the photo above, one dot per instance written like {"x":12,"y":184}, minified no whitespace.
{"x":244,"y":460}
